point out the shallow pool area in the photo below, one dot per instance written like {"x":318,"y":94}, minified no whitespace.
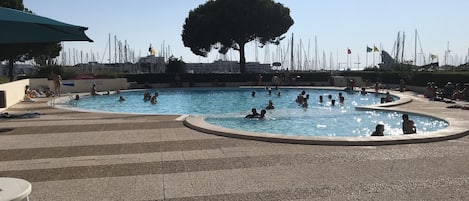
{"x":326,"y":121}
{"x":226,"y":107}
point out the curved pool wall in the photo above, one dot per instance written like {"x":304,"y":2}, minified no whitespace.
{"x":457,"y":128}
{"x":198,"y":123}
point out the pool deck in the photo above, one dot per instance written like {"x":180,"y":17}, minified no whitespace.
{"x":72,"y":155}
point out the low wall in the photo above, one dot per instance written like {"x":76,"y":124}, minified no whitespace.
{"x":14,"y":92}
{"x":79,"y":86}
{"x":342,"y":81}
{"x":75,"y":86}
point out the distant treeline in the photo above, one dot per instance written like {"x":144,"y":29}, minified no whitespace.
{"x":411,"y":78}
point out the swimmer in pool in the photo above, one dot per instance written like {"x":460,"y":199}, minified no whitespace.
{"x":270,"y":106}
{"x":262,"y":115}
{"x":153,"y":99}
{"x":378,"y":130}
{"x":408,"y":126}
{"x":254,"y":114}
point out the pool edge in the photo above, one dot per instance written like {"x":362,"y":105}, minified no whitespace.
{"x":198,"y":123}
{"x":456,"y":129}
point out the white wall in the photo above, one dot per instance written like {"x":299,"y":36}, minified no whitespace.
{"x":14,"y":92}
{"x":79,"y":86}
{"x":75,"y":86}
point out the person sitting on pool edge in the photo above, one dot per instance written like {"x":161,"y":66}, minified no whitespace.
{"x":254,"y":114}
{"x":408,"y":126}
{"x":388,"y":98}
{"x":379,"y":130}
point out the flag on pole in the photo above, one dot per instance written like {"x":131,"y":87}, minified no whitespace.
{"x":349,"y":51}
{"x":368,"y":49}
{"x":376,"y":49}
{"x":151,"y":50}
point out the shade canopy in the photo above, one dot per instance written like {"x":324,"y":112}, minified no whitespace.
{"x":17,"y":27}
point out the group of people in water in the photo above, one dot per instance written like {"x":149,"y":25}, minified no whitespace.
{"x":148,"y":97}
{"x":94,"y":92}
{"x":255,"y":114}
{"x":408,"y":126}
{"x":301,"y":99}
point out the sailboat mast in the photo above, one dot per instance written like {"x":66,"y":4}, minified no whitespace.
{"x":291,"y":53}
{"x":403,"y":43}
{"x":415,"y":48}
{"x":316,"y":52}
{"x":397,"y":46}
{"x":109,"y":42}
{"x":324,"y":60}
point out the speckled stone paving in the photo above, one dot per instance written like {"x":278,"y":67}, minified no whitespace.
{"x":71,"y":155}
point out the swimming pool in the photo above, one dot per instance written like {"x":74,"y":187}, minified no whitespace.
{"x":227,"y":107}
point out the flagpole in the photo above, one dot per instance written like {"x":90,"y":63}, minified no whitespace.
{"x":348,"y":58}
{"x":337,"y":53}
{"x":374,"y":55}
{"x":366,"y":62}
{"x":381,"y":49}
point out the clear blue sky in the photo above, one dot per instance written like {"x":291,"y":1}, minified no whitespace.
{"x":337,"y":24}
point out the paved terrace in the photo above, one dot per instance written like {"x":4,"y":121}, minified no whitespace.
{"x":70,"y":155}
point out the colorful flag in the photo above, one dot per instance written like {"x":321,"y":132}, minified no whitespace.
{"x":368,"y":49}
{"x":376,"y":49}
{"x":151,"y":50}
{"x":349,"y":51}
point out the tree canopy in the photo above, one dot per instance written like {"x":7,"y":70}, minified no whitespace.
{"x":225,"y":24}
{"x":41,"y":52}
{"x":175,"y":65}
{"x":13,"y":4}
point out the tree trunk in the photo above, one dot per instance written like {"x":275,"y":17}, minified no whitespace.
{"x":11,"y":69}
{"x":242,"y":59}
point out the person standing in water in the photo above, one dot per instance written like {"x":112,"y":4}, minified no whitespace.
{"x":379,"y":130}
{"x":408,"y":126}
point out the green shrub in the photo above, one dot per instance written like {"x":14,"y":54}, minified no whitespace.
{"x":4,"y":79}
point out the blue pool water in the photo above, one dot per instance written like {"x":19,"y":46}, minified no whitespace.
{"x":227,"y":108}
